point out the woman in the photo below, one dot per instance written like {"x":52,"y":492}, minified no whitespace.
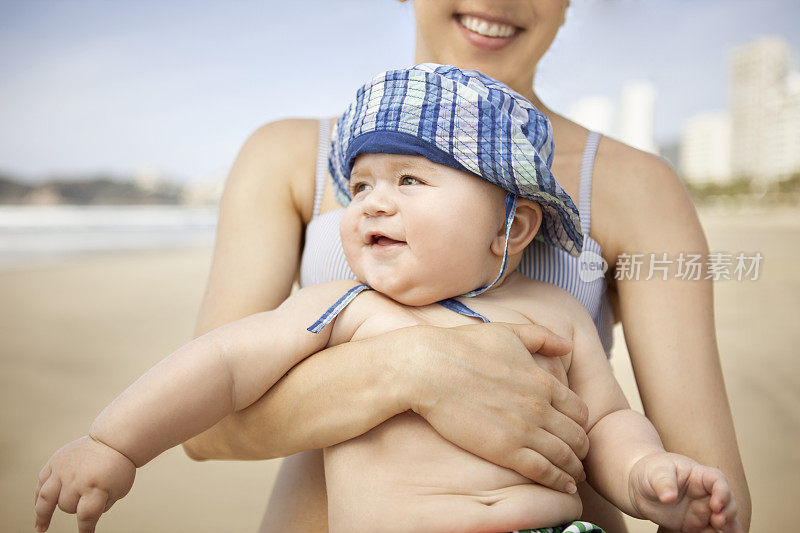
{"x":639,"y":205}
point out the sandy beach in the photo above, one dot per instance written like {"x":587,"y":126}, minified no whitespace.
{"x":76,"y":332}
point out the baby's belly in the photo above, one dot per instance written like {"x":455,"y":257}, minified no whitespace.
{"x":403,"y":476}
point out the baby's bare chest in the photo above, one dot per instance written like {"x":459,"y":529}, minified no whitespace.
{"x":373,"y":314}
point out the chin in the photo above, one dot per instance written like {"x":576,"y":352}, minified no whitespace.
{"x":403,"y":292}
{"x":414,"y":299}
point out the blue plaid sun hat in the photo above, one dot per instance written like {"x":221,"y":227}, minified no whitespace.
{"x":465,"y":120}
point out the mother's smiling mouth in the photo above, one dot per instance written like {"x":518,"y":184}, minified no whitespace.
{"x":485,"y":32}
{"x":486,"y":27}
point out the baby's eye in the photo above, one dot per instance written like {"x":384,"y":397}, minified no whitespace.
{"x":356,"y":188}
{"x":410,"y":180}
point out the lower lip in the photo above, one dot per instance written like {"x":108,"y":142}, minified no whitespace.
{"x":386,"y":248}
{"x":482,"y":42}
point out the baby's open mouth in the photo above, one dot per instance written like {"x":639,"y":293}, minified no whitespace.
{"x":382,"y":240}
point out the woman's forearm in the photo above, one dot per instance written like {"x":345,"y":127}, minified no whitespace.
{"x":682,"y":374}
{"x":335,"y":395}
{"x":708,"y":437}
{"x":467,"y":382}
{"x":669,"y":326}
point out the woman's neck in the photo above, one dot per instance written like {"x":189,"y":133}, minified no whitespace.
{"x":524,"y":86}
{"x":534,"y":99}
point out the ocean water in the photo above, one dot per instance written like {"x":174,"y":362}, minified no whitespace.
{"x":32,"y":235}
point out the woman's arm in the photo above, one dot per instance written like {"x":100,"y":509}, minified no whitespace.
{"x":669,"y":325}
{"x":259,"y":232}
{"x":443,"y":374}
{"x":268,"y":195}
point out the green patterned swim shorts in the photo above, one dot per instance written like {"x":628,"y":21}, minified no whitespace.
{"x":574,"y":527}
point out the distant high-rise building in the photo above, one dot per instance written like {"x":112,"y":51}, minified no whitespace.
{"x":705,"y":148}
{"x":636,"y":115}
{"x":594,"y":113}
{"x":786,"y":151}
{"x":763,"y":116}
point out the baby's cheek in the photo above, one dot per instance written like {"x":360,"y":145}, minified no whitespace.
{"x":351,"y":244}
{"x":348,"y":229}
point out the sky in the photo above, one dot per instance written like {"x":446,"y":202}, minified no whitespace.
{"x":118,"y":86}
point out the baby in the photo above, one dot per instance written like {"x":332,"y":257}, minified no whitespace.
{"x":438,"y":246}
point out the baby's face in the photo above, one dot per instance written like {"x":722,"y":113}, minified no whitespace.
{"x":419,"y":231}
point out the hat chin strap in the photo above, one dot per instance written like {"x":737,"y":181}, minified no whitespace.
{"x":450,"y":303}
{"x":511,"y":211}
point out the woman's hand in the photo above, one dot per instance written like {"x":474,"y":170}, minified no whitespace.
{"x":481,"y":389}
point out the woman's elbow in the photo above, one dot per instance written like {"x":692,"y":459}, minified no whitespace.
{"x":215,"y":445}
{"x":212,"y":444}
{"x":194,"y":451}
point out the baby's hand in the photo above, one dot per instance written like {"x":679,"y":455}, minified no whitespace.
{"x":84,"y":477}
{"x":678,"y":493}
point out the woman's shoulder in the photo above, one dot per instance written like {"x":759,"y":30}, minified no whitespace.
{"x":291,"y":126}
{"x":639,"y":201}
{"x":629,"y":163}
{"x":279,"y":157}
{"x":283,"y":142}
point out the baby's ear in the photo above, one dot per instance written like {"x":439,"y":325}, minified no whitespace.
{"x":526,"y":224}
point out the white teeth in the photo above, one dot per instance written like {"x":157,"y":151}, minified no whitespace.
{"x":486,"y":28}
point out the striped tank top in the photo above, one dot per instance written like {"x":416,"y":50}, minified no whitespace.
{"x":323,"y":257}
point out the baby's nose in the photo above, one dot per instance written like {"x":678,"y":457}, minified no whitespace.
{"x":379,"y":202}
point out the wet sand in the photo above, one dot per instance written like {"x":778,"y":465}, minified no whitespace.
{"x":75,"y":332}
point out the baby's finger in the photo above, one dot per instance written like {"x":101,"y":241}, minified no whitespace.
{"x":46,"y":502}
{"x":68,"y":500}
{"x":726,"y":516}
{"x":719,"y":489}
{"x":716,"y":486}
{"x":664,"y":481}
{"x":90,"y":507}
{"x":733,"y":527}
{"x":44,"y":475}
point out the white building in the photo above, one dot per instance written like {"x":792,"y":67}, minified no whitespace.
{"x":595,"y":113}
{"x":764,"y":116}
{"x":705,"y":148}
{"x":637,"y":114}
{"x":786,"y":152}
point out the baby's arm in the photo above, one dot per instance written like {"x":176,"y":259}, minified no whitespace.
{"x":223,"y":371}
{"x":627,"y":463}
